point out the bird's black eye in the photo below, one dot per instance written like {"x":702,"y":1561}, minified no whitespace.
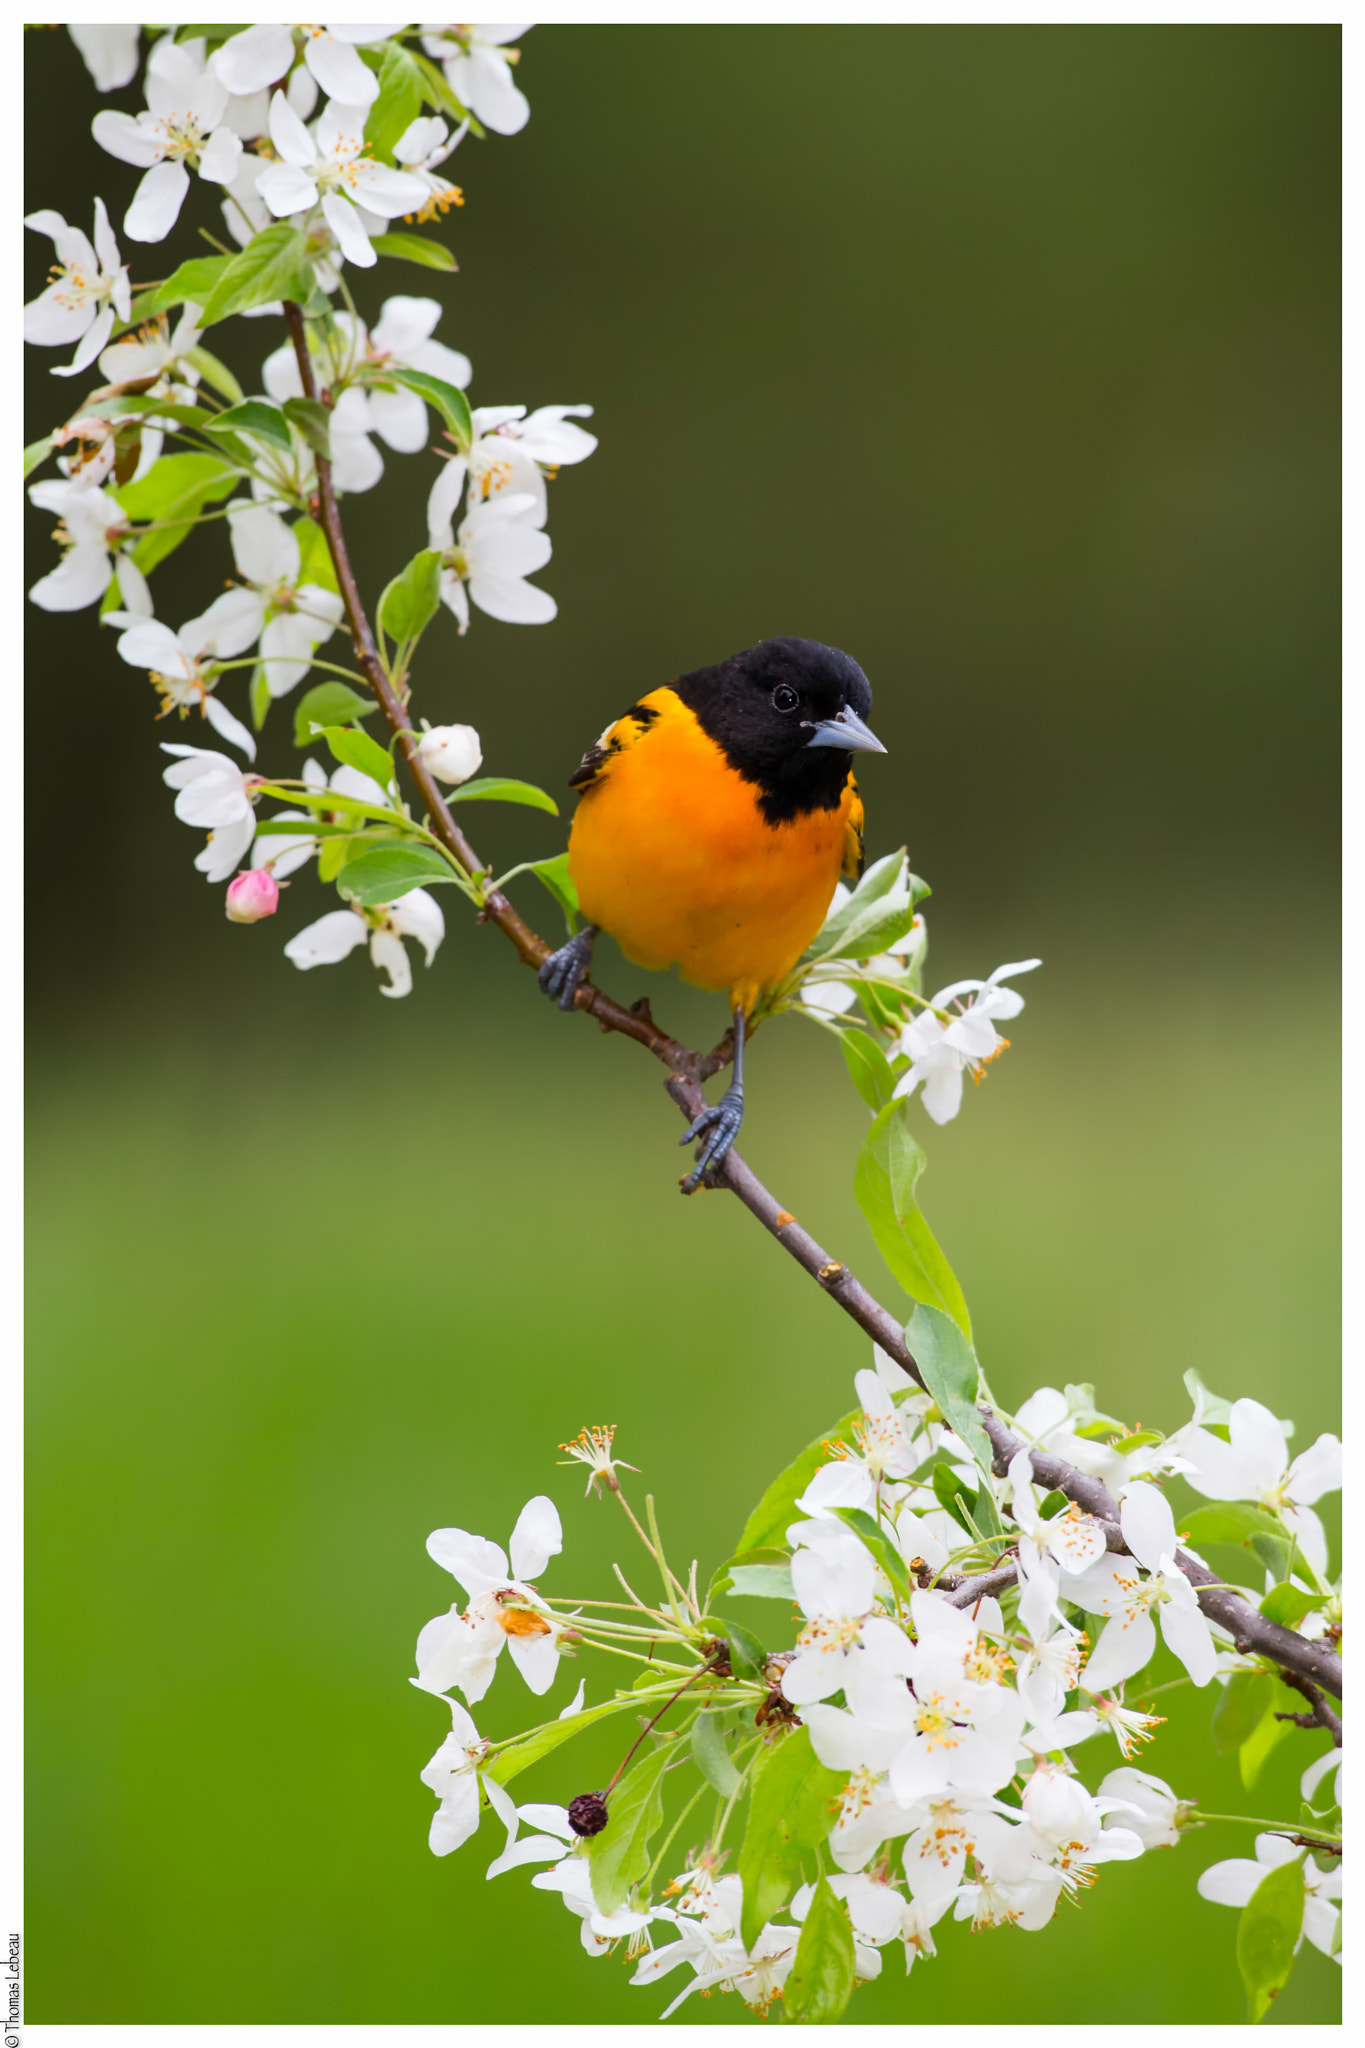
{"x":785,"y":698}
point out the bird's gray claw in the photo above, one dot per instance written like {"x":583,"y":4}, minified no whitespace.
{"x":718,"y":1127}
{"x":567,"y":969}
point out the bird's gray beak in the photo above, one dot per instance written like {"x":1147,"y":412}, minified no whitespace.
{"x":847,"y":731}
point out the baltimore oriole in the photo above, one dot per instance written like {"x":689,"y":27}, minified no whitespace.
{"x":713,"y":822}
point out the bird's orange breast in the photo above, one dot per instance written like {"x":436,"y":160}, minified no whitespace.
{"x":671,"y":854}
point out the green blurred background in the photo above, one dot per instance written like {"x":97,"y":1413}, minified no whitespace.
{"x":1006,"y":359}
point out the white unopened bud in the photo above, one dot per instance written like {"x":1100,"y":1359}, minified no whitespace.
{"x":451,"y":752}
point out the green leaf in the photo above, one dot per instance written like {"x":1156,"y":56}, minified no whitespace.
{"x":509,"y":1763}
{"x":358,"y":750}
{"x":398,"y":104}
{"x":448,"y":400}
{"x":382,"y":874}
{"x":1227,"y":1521}
{"x":259,"y":698}
{"x":767,"y":1525}
{"x":254,"y":416}
{"x":1246,"y":1700}
{"x":333,"y":800}
{"x":328,"y":704}
{"x":884,"y":1181}
{"x":1271,"y":1923}
{"x":949,"y":1369}
{"x":747,"y":1655}
{"x":1138,"y":1440}
{"x":553,"y":874}
{"x":195,"y":281}
{"x":877,"y":914}
{"x":954,"y":1494}
{"x":619,"y":1857}
{"x":822,"y":1976}
{"x":309,"y":415}
{"x":869,"y":1068}
{"x":36,"y":452}
{"x":791,"y":1808}
{"x":415,"y":249}
{"x":1251,"y":1757}
{"x":437,"y":93}
{"x":174,"y":493}
{"x":273,"y":265}
{"x":500,"y":789}
{"x":1287,"y":1604}
{"x":409,"y":603}
{"x":875,"y":1539}
{"x":762,"y":1581}
{"x":315,"y":557}
{"x":713,"y":1758}
{"x":215,"y":373}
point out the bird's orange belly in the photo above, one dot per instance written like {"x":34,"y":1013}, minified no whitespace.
{"x":671,"y":855}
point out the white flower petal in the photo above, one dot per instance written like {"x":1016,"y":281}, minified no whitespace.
{"x":537,"y":1538}
{"x":327,"y":941}
{"x":157,"y":203}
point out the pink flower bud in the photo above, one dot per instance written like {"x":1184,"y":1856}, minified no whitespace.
{"x":254,"y":895}
{"x":451,"y":752}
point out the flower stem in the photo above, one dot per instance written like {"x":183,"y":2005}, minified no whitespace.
{"x":1277,"y":1827}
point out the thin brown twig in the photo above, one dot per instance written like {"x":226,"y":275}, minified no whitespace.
{"x":1251,"y":1631}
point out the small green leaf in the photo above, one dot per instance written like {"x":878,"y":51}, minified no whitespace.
{"x":1246,"y":1700}
{"x":553,"y":874}
{"x":1287,"y":1604}
{"x":884,"y":1182}
{"x":822,"y":1977}
{"x":194,"y":281}
{"x":409,"y":603}
{"x":500,"y":789}
{"x":877,"y":913}
{"x":869,"y":1068}
{"x":259,"y":698}
{"x":518,"y":1756}
{"x":747,"y":1655}
{"x":762,"y":1581}
{"x":1138,"y":1440}
{"x":875,"y":1539}
{"x":1227,"y":1521}
{"x":713,"y":1758}
{"x":956,"y":1496}
{"x":382,"y":874}
{"x":791,"y":1807}
{"x":215,"y":373}
{"x":328,"y":704}
{"x":1216,"y":1409}
{"x":36,"y":452}
{"x":358,"y":750}
{"x":437,"y":93}
{"x":415,"y":249}
{"x":619,"y":1857}
{"x":174,"y":479}
{"x":949,"y":1369}
{"x":310,"y":416}
{"x":273,"y":265}
{"x":255,"y":417}
{"x":1270,"y":1926}
{"x":1267,"y":1735}
{"x":448,"y":400}
{"x":398,"y":104}
{"x":767,"y":1525}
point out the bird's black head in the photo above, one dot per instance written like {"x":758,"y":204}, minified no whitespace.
{"x":788,"y":715}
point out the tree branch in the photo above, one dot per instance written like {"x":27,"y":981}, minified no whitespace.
{"x":687,"y":1069}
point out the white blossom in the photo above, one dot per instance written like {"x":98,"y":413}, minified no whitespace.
{"x":1145,"y":1805}
{"x":454,"y":1776}
{"x":182,"y":124}
{"x":181,"y":665}
{"x":420,"y":149}
{"x":214,"y":794}
{"x":941,"y":1053}
{"x":263,"y":54}
{"x":452,"y":752}
{"x":109,"y":50}
{"x":415,"y":916}
{"x":1233,"y":1882}
{"x":89,"y":288}
{"x":491,"y":555}
{"x":292,"y":619}
{"x":332,"y":169}
{"x":1255,"y":1465}
{"x":479,"y":73}
{"x":91,"y":527}
{"x":462,"y":1648}
{"x":1115,"y":1587}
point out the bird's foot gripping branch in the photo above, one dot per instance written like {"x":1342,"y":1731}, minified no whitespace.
{"x":965,"y":1609}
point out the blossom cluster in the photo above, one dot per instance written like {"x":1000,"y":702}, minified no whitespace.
{"x":966,"y":1652}
{"x":314,"y":141}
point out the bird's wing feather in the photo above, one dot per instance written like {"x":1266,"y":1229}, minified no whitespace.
{"x":627,"y":731}
{"x":853,"y":835}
